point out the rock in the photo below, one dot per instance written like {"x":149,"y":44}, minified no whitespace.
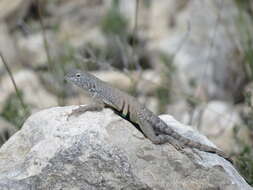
{"x":163,"y":17}
{"x":246,"y":113}
{"x":218,"y":120}
{"x":154,"y":17}
{"x":180,"y":110}
{"x":147,"y":81}
{"x":32,"y":49}
{"x":150,"y":102}
{"x":205,"y":47}
{"x":33,"y":92}
{"x":248,"y":92}
{"x":78,"y":21}
{"x":7,"y":47}
{"x":6,"y":130}
{"x":118,"y":79}
{"x":102,"y":151}
{"x":13,"y":11}
{"x":77,"y":39}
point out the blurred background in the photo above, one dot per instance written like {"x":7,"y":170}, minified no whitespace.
{"x":189,"y":58}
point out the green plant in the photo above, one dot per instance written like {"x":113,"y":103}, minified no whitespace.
{"x":13,"y":110}
{"x":245,"y":27}
{"x":163,"y":92}
{"x":114,"y":22}
{"x":244,"y":162}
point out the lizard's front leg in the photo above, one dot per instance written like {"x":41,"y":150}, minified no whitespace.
{"x":95,"y":106}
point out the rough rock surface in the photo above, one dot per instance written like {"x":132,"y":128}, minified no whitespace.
{"x":102,"y":151}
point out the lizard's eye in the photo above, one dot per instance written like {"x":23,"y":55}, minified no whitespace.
{"x":78,"y":75}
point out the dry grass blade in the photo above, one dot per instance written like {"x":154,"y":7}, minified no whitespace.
{"x":13,"y":82}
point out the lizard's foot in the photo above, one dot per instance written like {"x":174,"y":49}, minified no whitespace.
{"x":161,"y":139}
{"x":177,"y":145}
{"x":82,"y":109}
{"x":174,"y":142}
{"x":197,"y":153}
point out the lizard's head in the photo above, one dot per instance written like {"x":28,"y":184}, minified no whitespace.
{"x":79,"y":78}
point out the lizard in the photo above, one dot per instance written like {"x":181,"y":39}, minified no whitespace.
{"x":152,"y":127}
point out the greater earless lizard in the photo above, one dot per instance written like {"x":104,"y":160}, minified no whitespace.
{"x":127,"y":106}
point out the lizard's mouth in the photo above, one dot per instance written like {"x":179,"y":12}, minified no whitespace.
{"x":68,"y":77}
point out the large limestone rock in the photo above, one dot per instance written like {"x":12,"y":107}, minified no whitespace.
{"x":100,"y":150}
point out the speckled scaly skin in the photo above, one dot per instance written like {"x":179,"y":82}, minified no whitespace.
{"x":150,"y":125}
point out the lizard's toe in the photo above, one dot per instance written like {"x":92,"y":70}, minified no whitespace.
{"x":178,"y":146}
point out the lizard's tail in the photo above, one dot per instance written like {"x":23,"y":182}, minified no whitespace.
{"x":203,"y":147}
{"x":190,"y":143}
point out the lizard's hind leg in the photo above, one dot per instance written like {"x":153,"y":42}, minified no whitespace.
{"x":149,"y":132}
